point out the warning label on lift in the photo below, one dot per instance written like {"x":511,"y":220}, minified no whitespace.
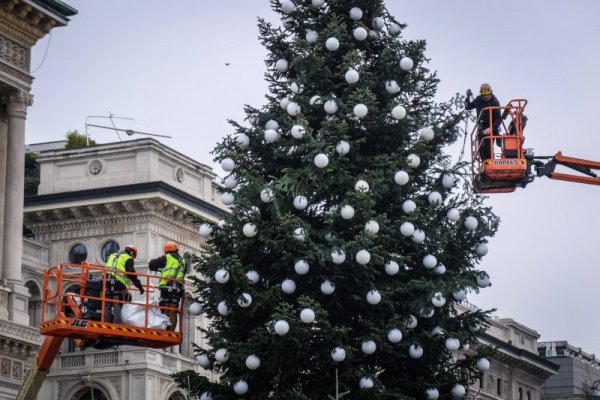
{"x":506,"y":162}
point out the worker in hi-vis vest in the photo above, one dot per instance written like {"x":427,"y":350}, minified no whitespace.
{"x":119,"y":277}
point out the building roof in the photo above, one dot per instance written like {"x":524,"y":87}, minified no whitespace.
{"x":58,"y":7}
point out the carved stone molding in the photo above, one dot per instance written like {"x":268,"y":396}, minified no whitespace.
{"x":24,"y":22}
{"x":13,"y":53}
{"x":18,"y":335}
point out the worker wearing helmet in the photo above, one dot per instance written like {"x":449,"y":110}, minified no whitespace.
{"x":172,"y":269}
{"x":118,"y":279}
{"x":489,"y":123}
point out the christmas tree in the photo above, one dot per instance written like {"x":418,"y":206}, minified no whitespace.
{"x":351,"y":236}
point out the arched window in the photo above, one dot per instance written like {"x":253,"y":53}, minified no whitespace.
{"x":90,"y":394}
{"x":78,"y":253}
{"x":109,"y":248}
{"x":35,"y":304}
{"x":177,"y":396}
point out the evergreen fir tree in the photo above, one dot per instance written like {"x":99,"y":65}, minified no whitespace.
{"x":351,"y":236}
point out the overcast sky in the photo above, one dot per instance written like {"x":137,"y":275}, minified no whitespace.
{"x":164,"y":64}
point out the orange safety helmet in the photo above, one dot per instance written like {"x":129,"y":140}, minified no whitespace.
{"x":132,"y":249}
{"x":485,"y":88}
{"x":170,"y":246}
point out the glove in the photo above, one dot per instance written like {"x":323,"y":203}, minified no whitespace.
{"x":469,"y":93}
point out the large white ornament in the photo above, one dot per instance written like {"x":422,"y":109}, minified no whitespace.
{"x":458,"y":391}
{"x":361,"y":186}
{"x":203,"y":360}
{"x":297,"y":131}
{"x":318,"y":3}
{"x":332,"y":44}
{"x":453,"y":214}
{"x":418,"y":236}
{"x":401,"y":178}
{"x":227,"y":164}
{"x":222,"y":308}
{"x":299,"y":234}
{"x":394,"y":335}
{"x":281,"y":65}
{"x":252,"y":277}
{"x":415,"y":351}
{"x":221,"y":355}
{"x":206,"y":396}
{"x":293,"y":109}
{"x":448,"y":180}
{"x":360,"y":33}
{"x":245,"y":300}
{"x":398,"y":112}
{"x":452,"y":344}
{"x":378,"y":23}
{"x":413,"y":160}
{"x":356,"y":14}
{"x":230,"y":182}
{"x":307,"y":315}
{"x":481,"y":249}
{"x":483,"y":364}
{"x":427,"y":134}
{"x":369,"y":347}
{"x":435,"y":198}
{"x":222,"y":276}
{"x":363,"y":257}
{"x":483,"y":281}
{"x":321,"y":160}
{"x":288,"y":286}
{"x":300,"y":202}
{"x":342,"y":147}
{"x":271,"y":136}
{"x":407,"y":228}
{"x":252,"y":362}
{"x":391,"y":267}
{"x":338,"y":256}
{"x":195,"y":309}
{"x":327,"y":287}
{"x":392,"y":87}
{"x":394,"y":29}
{"x":301,"y":267}
{"x":474,"y":327}
{"x":440,"y":269}
{"x":330,"y":106}
{"x":471,"y":223}
{"x":283,"y":103}
{"x":266,"y":195}
{"x":338,"y":354}
{"x":438,"y":300}
{"x":365,"y":383}
{"x":409,"y":206}
{"x":297,"y":88}
{"x":432,"y":394}
{"x":360,"y":110}
{"x":287,"y":6}
{"x":373,"y":297}
{"x":249,"y":230}
{"x":412,"y":322}
{"x":311,"y":36}
{"x":272,"y":124}
{"x":352,"y":76}
{"x":242,"y":139}
{"x":347,"y":212}
{"x":429,"y":261}
{"x":240,"y":387}
{"x":205,"y":230}
{"x":281,"y":327}
{"x":459,"y":295}
{"x":406,"y":63}
{"x":372,"y":227}
{"x":315,"y":100}
{"x":288,"y":22}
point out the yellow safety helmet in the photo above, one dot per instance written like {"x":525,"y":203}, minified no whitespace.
{"x":485,"y":88}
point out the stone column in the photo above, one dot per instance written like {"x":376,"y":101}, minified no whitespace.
{"x":3,"y":142}
{"x":17,"y":104}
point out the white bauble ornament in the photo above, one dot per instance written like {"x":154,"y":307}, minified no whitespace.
{"x":360,"y":33}
{"x":448,"y":180}
{"x":438,"y":300}
{"x":283,"y":103}
{"x":429,"y":261}
{"x":392,"y":88}
{"x":311,"y":36}
{"x":307,"y":315}
{"x":347,"y":212}
{"x":407,"y":229}
{"x":240,"y":387}
{"x":242,"y":139}
{"x":252,"y":362}
{"x":452,"y":344}
{"x":360,"y":110}
{"x":338,"y":354}
{"x":281,"y":65}
{"x":398,"y":112}
{"x":245,"y":300}
{"x":361,"y":186}
{"x":222,"y":308}
{"x":466,"y":346}
{"x":318,"y":3}
{"x":412,"y":322}
{"x":394,"y":29}
{"x":249,"y":230}
{"x":372,"y":227}
{"x":227,"y":198}
{"x":437,"y":330}
{"x":330,"y":107}
{"x":406,"y":63}
{"x":356,"y":14}
{"x":288,"y":22}
{"x":230,"y":182}
{"x":483,"y":281}
{"x":409,"y":206}
{"x":415,"y":351}
{"x":394,"y":335}
{"x":300,"y":202}
{"x":363,"y":257}
{"x":401,"y":178}
{"x":352,"y":76}
{"x":365,"y":383}
{"x":297,"y":88}
{"x":266,"y":195}
{"x":297,"y":131}
{"x":474,"y":327}
{"x":458,"y":391}
{"x":321,"y":160}
{"x":440,"y":269}
{"x":373,"y":297}
{"x":206,"y":396}
{"x":281,"y":327}
{"x":203,"y":360}
{"x":342,"y":147}
{"x":418,"y":236}
{"x":332,"y":44}
{"x":301,"y":267}
{"x":252,"y":277}
{"x":426,"y":133}
{"x":327,"y":287}
{"x":293,"y":109}
{"x":315,"y":100}
{"x":330,"y":237}
{"x":227,"y":164}
{"x":378,"y":23}
{"x":205,"y":230}
{"x":222,"y":223}
{"x":222,"y":276}
{"x":459,"y":295}
{"x":435,"y":198}
{"x":272,"y":124}
{"x":221,"y":355}
{"x":288,"y":286}
{"x":271,"y":136}
{"x":391,"y":267}
{"x":481,"y":249}
{"x":471,"y":223}
{"x":413,"y":160}
{"x":483,"y":364}
{"x":338,"y":256}
{"x":453,"y":214}
{"x":432,"y":394}
{"x":196,"y":309}
{"x":368,"y":347}
{"x":299,"y":234}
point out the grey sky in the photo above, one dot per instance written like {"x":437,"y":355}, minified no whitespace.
{"x":163,"y":63}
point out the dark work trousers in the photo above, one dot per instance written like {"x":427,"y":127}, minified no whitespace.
{"x":115,"y":290}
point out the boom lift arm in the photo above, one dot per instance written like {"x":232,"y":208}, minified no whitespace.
{"x":577,"y":164}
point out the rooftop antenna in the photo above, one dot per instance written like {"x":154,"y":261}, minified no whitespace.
{"x":129,"y":132}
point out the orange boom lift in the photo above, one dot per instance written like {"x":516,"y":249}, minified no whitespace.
{"x":74,"y":306}
{"x":513,"y":166}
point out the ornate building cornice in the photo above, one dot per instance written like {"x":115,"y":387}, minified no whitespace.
{"x":21,"y":338}
{"x":27,"y":23}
